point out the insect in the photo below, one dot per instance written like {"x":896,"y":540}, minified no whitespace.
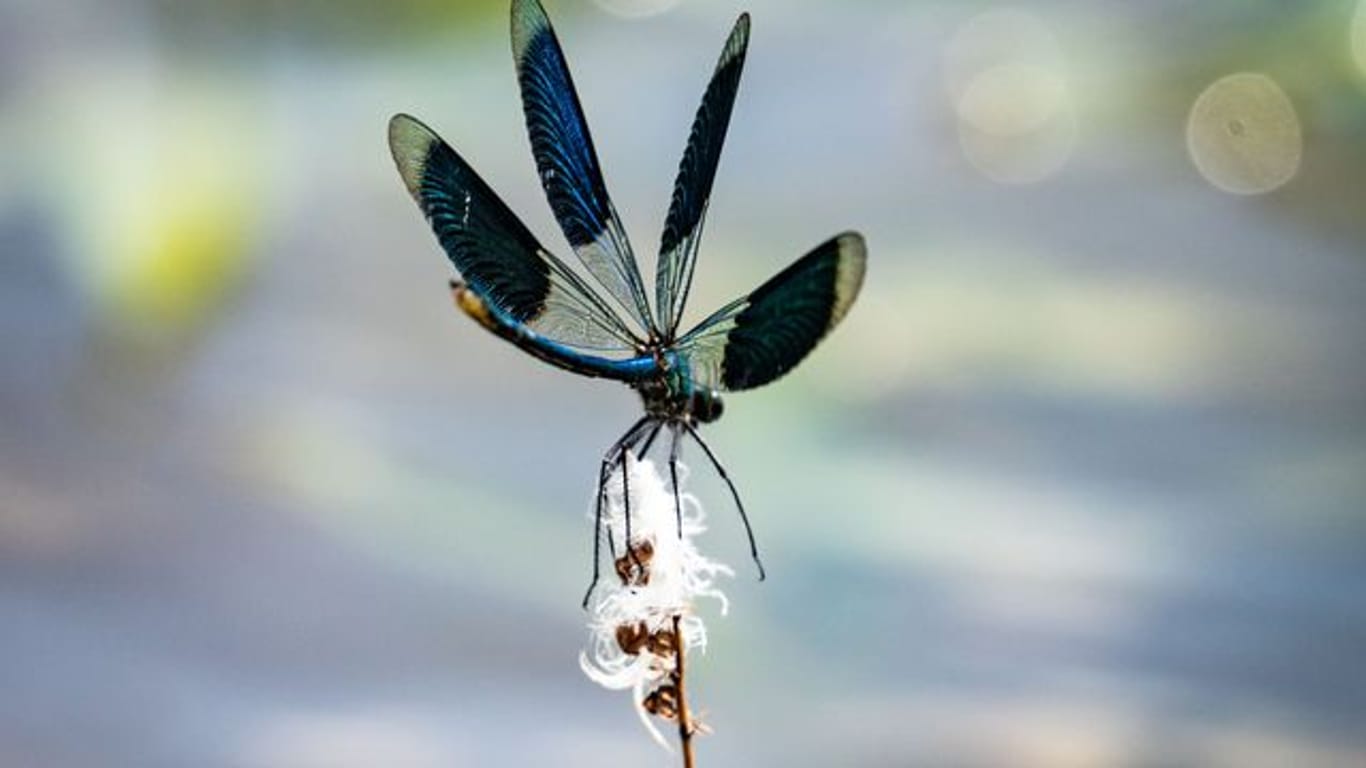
{"x":524,"y":294}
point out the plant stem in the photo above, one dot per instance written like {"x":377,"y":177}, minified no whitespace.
{"x":685,"y":729}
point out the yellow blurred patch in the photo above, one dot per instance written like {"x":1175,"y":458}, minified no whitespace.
{"x":163,"y":211}
{"x":182,"y":262}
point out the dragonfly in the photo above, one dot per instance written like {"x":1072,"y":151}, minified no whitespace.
{"x":606,"y":327}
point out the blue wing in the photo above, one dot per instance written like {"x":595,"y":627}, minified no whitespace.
{"x":692,"y":189}
{"x":495,"y":253}
{"x":754,"y":340}
{"x":567,"y":162}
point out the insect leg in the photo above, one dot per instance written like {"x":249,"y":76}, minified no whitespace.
{"x":626,"y":504}
{"x":651,"y":439}
{"x":674,"y":445}
{"x":749,"y":532}
{"x":637,"y":566}
{"x":608,"y":459}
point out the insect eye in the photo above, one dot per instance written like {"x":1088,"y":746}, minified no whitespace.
{"x":706,"y":406}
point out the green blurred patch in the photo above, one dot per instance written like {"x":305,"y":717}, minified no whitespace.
{"x":347,"y":23}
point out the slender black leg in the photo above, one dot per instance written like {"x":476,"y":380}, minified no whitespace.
{"x":753,"y":548}
{"x":649,"y":441}
{"x":677,"y":436}
{"x":608,"y":459}
{"x":626,"y":488}
{"x":626,"y":503}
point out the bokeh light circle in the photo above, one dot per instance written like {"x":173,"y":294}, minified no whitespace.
{"x":1005,"y":76}
{"x":636,"y":9}
{"x":1012,"y":99}
{"x":1243,"y":134}
{"x":994,"y":38}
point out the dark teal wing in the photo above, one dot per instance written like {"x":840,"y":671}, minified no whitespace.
{"x":495,"y":253}
{"x":692,"y":189}
{"x":756,"y":339}
{"x":567,"y":162}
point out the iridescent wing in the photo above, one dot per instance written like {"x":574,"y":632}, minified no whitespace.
{"x":692,"y":189}
{"x":567,"y":162}
{"x":754,"y":340}
{"x":495,"y":253}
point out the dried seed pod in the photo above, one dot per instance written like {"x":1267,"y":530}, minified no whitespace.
{"x":632,"y":574}
{"x":663,"y":642}
{"x":644,"y":550}
{"x":633,"y":568}
{"x":662,"y":702}
{"x":632,"y":638}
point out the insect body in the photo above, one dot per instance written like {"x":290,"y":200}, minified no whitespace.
{"x":526,"y":295}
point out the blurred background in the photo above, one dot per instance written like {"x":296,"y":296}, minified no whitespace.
{"x":1080,"y":481}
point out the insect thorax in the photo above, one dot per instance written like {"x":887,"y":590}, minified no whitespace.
{"x":675,"y":396}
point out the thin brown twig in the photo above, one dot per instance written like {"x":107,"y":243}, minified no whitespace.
{"x":685,"y":728}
